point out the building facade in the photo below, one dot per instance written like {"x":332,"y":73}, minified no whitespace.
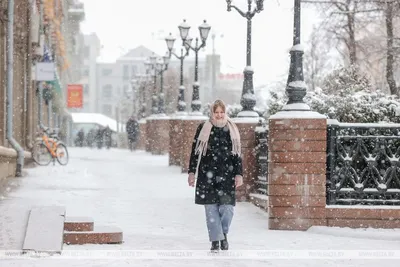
{"x":229,"y":87}
{"x":109,"y":88}
{"x":91,"y":51}
{"x":42,"y":32}
{"x":116,"y":82}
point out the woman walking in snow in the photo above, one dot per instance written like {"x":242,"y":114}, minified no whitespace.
{"x":216,"y":160}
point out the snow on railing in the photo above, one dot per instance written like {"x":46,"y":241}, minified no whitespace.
{"x":362,"y":164}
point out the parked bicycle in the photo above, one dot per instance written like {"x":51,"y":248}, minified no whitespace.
{"x":50,"y":148}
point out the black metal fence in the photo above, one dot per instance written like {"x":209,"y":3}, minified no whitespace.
{"x":261,"y":149}
{"x":363,"y":164}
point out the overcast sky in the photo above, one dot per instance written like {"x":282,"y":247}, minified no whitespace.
{"x":125,"y":24}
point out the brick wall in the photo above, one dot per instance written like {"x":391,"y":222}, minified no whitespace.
{"x":297,"y":169}
{"x":142,"y":135}
{"x":161,"y":135}
{"x":175,"y":141}
{"x":189,"y":128}
{"x":149,"y":135}
{"x":363,"y":217}
{"x":248,"y":141}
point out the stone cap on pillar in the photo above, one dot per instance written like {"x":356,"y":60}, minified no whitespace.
{"x":179,"y":115}
{"x":253,"y":120}
{"x":247,"y":114}
{"x":194,"y":118}
{"x":297,"y":115}
{"x":161,"y":117}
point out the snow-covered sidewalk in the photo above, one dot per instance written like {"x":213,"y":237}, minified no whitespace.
{"x":154,"y":207}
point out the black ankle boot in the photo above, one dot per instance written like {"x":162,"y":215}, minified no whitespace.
{"x":224,"y":243}
{"x":214,"y":245}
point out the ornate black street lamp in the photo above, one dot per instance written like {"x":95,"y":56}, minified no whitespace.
{"x":248,"y":99}
{"x":170,"y":40}
{"x":296,"y":88}
{"x":204,"y":30}
{"x":162,"y":65}
{"x":142,"y":95}
{"x":151,"y":65}
{"x":135,"y":89}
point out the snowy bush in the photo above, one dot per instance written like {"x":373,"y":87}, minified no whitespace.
{"x":359,"y":107}
{"x":346,"y":80}
{"x":347,"y":97}
{"x":233,"y":110}
{"x":206,"y":110}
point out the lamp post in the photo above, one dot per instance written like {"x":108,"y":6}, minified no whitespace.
{"x":142,"y":95}
{"x":162,"y":66}
{"x":248,"y":99}
{"x":134,"y":93}
{"x":204,"y":30}
{"x":296,"y":88}
{"x":170,"y":40}
{"x":151,"y":65}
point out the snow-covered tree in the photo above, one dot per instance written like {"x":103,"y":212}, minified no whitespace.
{"x":346,"y":80}
{"x":317,"y":58}
{"x":359,"y":107}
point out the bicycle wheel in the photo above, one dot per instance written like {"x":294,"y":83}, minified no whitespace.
{"x":41,"y":155}
{"x":62,"y":154}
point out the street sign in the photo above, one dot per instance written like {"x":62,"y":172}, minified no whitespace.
{"x":45,"y":71}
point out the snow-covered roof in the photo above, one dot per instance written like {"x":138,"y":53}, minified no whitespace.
{"x":96,"y":118}
{"x":84,"y":80}
{"x":139,"y":53}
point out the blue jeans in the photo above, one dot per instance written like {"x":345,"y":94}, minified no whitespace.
{"x":219,"y":218}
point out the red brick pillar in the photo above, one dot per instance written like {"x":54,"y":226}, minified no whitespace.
{"x":152,"y":134}
{"x":149,"y":134}
{"x":296,"y":171}
{"x":189,"y":127}
{"x":247,"y":128}
{"x":175,"y":139}
{"x":141,"y":145}
{"x":161,"y":134}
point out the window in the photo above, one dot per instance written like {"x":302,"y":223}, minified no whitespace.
{"x":86,"y":107}
{"x":86,"y":89}
{"x":133,"y":71}
{"x":86,"y":51}
{"x":85,"y":71}
{"x":106,"y":72}
{"x":107,"y":91}
{"x":126,"y":89}
{"x":106,"y":110}
{"x":126,"y":72}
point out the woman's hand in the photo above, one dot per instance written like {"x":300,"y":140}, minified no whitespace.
{"x":238,"y":180}
{"x":191,"y":179}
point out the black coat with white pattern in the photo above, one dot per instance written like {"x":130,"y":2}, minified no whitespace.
{"x":217,"y":170}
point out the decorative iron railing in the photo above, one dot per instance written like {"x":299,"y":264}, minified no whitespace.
{"x":261,"y":149}
{"x":363,"y":164}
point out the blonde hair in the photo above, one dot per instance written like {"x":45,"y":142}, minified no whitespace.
{"x":216,"y":104}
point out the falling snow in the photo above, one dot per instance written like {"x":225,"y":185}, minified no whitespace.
{"x":153,"y":205}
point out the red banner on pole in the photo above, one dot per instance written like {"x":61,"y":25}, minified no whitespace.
{"x":75,"y":96}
